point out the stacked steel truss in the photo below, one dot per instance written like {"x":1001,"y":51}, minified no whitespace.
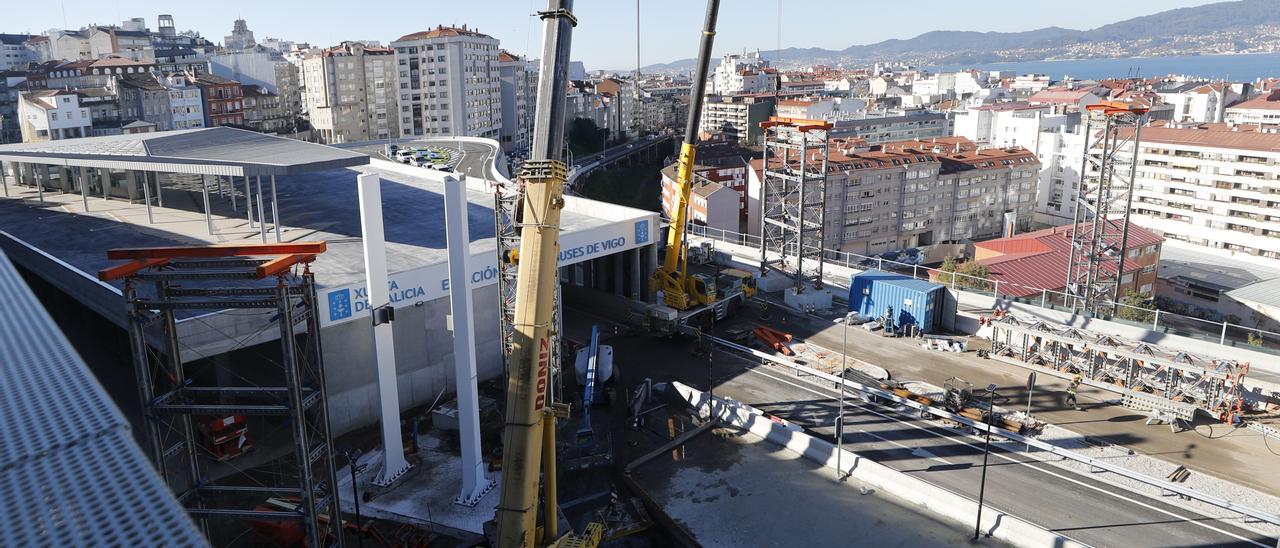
{"x":792,"y":200}
{"x":1211,"y":384}
{"x":1100,"y":232}
{"x":288,"y":392}
{"x":507,"y":229}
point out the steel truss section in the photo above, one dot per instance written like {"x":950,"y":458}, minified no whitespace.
{"x":1213,"y":385}
{"x":175,"y":395}
{"x":1100,"y":231}
{"x":793,"y":199}
{"x":506,"y":212}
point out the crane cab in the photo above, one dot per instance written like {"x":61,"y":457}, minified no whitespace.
{"x":702,"y":289}
{"x":733,"y":279}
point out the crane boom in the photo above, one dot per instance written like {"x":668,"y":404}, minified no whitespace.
{"x":672,"y":277}
{"x":529,"y":428}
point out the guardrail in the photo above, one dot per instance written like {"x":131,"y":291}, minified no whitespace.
{"x":982,"y":427}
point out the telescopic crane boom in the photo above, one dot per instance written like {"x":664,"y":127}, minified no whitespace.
{"x":681,"y":291}
{"x":529,"y":442}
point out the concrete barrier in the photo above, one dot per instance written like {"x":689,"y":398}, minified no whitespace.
{"x":941,"y":502}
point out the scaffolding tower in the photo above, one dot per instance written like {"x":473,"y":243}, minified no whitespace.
{"x":195,"y":417}
{"x":1100,"y":231}
{"x":793,"y":199}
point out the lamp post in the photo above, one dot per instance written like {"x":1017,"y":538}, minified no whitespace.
{"x":844,"y":365}
{"x":986,"y":450}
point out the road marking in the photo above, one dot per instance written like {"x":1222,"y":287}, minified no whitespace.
{"x":1037,"y":468}
{"x":917,"y":451}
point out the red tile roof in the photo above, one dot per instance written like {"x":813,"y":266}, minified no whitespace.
{"x":1243,"y":137}
{"x":1058,"y":95}
{"x":442,"y":32}
{"x":1268,"y":101}
{"x":1039,"y":260}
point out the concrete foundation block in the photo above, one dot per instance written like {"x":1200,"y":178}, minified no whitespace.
{"x":812,"y":299}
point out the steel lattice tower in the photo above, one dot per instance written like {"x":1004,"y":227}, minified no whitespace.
{"x":793,"y":199}
{"x":1100,"y":231}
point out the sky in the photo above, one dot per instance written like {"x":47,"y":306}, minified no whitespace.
{"x":606,"y":35}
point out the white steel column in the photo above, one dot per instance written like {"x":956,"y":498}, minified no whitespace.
{"x":4,"y":180}
{"x":275,"y":209}
{"x":262,"y":221}
{"x":159,"y":190}
{"x":204,"y":190}
{"x":248,"y":201}
{"x":474,"y":482}
{"x":146,"y":196}
{"x":41,"y":175}
{"x":84,"y":187}
{"x":375,"y":271}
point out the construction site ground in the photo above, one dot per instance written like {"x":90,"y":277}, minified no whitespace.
{"x":1079,"y":505}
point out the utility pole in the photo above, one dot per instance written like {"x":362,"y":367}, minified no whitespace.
{"x":986,"y":450}
{"x":844,"y":365}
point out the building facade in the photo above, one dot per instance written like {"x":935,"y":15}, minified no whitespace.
{"x":350,"y":93}
{"x":14,"y":52}
{"x":448,"y":79}
{"x":737,"y":116}
{"x":518,"y":84}
{"x":223,"y":100}
{"x":53,"y":115}
{"x":1262,"y":111}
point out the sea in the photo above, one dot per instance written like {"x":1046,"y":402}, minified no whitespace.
{"x":1238,"y":67}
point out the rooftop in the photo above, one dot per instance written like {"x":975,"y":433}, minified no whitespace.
{"x":1266,"y":101}
{"x":1039,"y":260}
{"x":1059,"y":95}
{"x":1243,"y":136}
{"x":442,"y":32}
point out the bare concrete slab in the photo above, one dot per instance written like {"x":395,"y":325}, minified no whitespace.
{"x":736,"y":489}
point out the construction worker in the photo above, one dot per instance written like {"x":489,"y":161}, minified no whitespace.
{"x":1071,"y":391}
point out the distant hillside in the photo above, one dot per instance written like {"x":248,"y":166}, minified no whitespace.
{"x":1201,"y":29}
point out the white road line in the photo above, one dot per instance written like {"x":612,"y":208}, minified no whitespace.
{"x":1051,"y":473}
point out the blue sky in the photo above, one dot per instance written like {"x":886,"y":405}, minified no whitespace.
{"x":606,"y":37}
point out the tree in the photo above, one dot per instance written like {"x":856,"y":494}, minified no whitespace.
{"x":585,"y":137}
{"x":1255,"y":338}
{"x":1138,"y":307}
{"x":972,"y":275}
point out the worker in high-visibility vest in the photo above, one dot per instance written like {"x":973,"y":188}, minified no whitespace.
{"x":1071,"y":391}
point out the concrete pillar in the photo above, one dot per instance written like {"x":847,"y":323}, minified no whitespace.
{"x":146,"y":197}
{"x":650,"y":256}
{"x":633,"y":257}
{"x":104,"y":177}
{"x":64,"y":179}
{"x":159,"y":189}
{"x":579,"y":274}
{"x":28,"y":174}
{"x":394,"y":464}
{"x":84,"y":187}
{"x":42,"y":177}
{"x":475,"y":484}
{"x":5,"y":169}
{"x":131,"y":179}
{"x":618,"y":270}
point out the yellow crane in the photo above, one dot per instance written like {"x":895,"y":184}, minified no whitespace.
{"x":681,"y":290}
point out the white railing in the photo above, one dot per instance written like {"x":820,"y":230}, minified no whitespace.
{"x":1223,"y":333}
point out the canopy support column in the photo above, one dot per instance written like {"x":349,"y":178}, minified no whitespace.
{"x":262,"y":224}
{"x":146,"y":197}
{"x":275,"y":209}
{"x":204,"y":190}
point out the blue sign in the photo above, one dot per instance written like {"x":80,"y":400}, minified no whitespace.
{"x":339,"y":304}
{"x":642,"y":232}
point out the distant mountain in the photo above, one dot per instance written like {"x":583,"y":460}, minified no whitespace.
{"x":1244,"y":25}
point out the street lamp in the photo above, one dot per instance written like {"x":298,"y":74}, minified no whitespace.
{"x":844,"y":365}
{"x":986,"y":450}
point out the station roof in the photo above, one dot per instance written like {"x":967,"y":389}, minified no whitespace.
{"x":206,"y":151}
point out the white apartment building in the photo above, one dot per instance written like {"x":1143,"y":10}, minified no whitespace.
{"x":518,"y":81}
{"x":52,"y":115}
{"x":1262,"y":111}
{"x":742,"y":73}
{"x":1060,"y":150}
{"x":1198,"y":102}
{"x":448,"y":79}
{"x":1212,"y":185}
{"x":14,"y":53}
{"x":620,"y":104}
{"x":131,"y":44}
{"x":1029,"y":83}
{"x":350,"y":93}
{"x":185,"y":102}
{"x":70,"y":45}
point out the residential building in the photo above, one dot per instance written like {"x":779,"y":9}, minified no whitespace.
{"x":737,"y":116}
{"x":240,"y":38}
{"x":11,"y":86}
{"x":449,"y":83}
{"x":104,"y":109}
{"x":52,"y":115}
{"x":223,"y":100}
{"x":1029,"y":84}
{"x":1027,"y":264}
{"x":100,"y":72}
{"x":518,"y":83}
{"x":266,"y":69}
{"x":41,"y":48}
{"x":1212,"y":185}
{"x":181,"y":60}
{"x":14,"y":52}
{"x":114,"y":41}
{"x":979,"y":124}
{"x":145,"y":97}
{"x":886,"y":126}
{"x":718,"y":196}
{"x":916,"y":193}
{"x":1262,"y":111}
{"x":1197,"y":101}
{"x":1064,"y":100}
{"x":350,"y":93}
{"x":742,"y":73}
{"x":265,"y":111}
{"x":582,"y":102}
{"x":1060,"y":150}
{"x":620,"y":103}
{"x":186,"y":102}
{"x":70,"y":45}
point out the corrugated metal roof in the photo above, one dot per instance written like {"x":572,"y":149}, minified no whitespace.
{"x":211,"y":151}
{"x":71,"y":473}
{"x":1039,"y":260}
{"x":1266,"y":292}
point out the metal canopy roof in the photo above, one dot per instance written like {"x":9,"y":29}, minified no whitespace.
{"x":207,"y":151}
{"x":71,"y":473}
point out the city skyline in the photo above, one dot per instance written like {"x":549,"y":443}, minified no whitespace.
{"x":607,"y":47}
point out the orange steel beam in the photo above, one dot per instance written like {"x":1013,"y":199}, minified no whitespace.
{"x":801,"y":123}
{"x":216,"y":250}
{"x":283,"y":263}
{"x":128,"y":269}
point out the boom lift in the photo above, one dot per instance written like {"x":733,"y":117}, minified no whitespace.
{"x":681,"y":290}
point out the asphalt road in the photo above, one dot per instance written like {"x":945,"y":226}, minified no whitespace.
{"x":1079,"y":506}
{"x":477,"y":158}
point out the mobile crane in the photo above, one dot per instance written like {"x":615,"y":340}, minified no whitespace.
{"x":681,"y":290}
{"x":529,"y":429}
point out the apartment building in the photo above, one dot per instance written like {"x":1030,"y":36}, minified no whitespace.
{"x":742,"y":73}
{"x":113,"y":41}
{"x":737,"y":116}
{"x":1060,"y":150}
{"x":52,"y":115}
{"x":1197,"y":101}
{"x":1064,"y":100}
{"x":915,"y":193}
{"x":620,"y":103}
{"x":223,"y":100}
{"x":1212,"y":185}
{"x":1262,"y":111}
{"x":14,"y":52}
{"x":350,"y":93}
{"x":11,"y":84}
{"x":887,"y":126}
{"x":448,"y":79}
{"x":265,"y":111}
{"x":518,"y":82}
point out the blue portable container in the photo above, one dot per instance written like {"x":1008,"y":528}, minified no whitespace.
{"x":914,"y":302}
